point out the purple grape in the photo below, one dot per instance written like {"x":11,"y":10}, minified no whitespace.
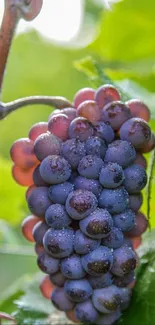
{"x":98,"y":224}
{"x":90,"y":166}
{"x":80,"y":204}
{"x":98,"y":261}
{"x":111,"y":175}
{"x":125,"y":280}
{"x":107,"y":300}
{"x":38,"y":201}
{"x":71,"y":267}
{"x":55,"y":169}
{"x":106,"y":94}
{"x":70,"y":112}
{"x":59,"y":243}
{"x":108,"y":319}
{"x":58,"y":279}
{"x":104,"y":131}
{"x":115,"y":201}
{"x":135,"y":178}
{"x":39,"y":231}
{"x":125,"y":294}
{"x":102,"y":281}
{"x":78,"y":290}
{"x":73,"y":151}
{"x":114,"y":239}
{"x":48,"y":264}
{"x":56,"y":216}
{"x":46,"y":144}
{"x":37,"y":179}
{"x":86,"y":312}
{"x":58,"y":193}
{"x":91,"y":185}
{"x":59,"y":126}
{"x":96,"y":147}
{"x":136,"y":131}
{"x":124,"y":261}
{"x":116,"y":113}
{"x":83,"y":244}
{"x":120,"y":152}
{"x":60,"y":300}
{"x":125,"y":220}
{"x":135,"y":201}
{"x":80,"y":128}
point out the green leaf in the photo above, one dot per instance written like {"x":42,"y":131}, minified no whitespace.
{"x":141,"y":310}
{"x":12,"y":196}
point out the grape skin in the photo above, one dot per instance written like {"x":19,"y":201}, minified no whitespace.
{"x":136,"y":131}
{"x":23,"y":177}
{"x":78,"y":290}
{"x":80,"y":203}
{"x":91,"y":185}
{"x":135,"y":201}
{"x":140,"y":226}
{"x":121,"y":152}
{"x":135,"y":179}
{"x":81,"y":129}
{"x":125,"y":220}
{"x":90,"y":166}
{"x":73,"y":151}
{"x":89,"y":110}
{"x":107,"y":300}
{"x":38,"y":201}
{"x":46,"y":287}
{"x":114,"y":239}
{"x":114,"y":200}
{"x":28,"y":225}
{"x":46,"y":144}
{"x":82,"y":95}
{"x":48,"y":264}
{"x":22,"y":153}
{"x":111,"y":175}
{"x":125,"y":280}
{"x":57,"y":279}
{"x":98,"y":282}
{"x":71,"y":267}
{"x":55,"y":169}
{"x":60,"y":300}
{"x":124,"y":261}
{"x":138,"y":109}
{"x":59,"y":126}
{"x":116,"y":113}
{"x":140,"y":160}
{"x":58,"y":193}
{"x":98,"y":261}
{"x":39,"y":231}
{"x":86,"y":312}
{"x":108,"y":319}
{"x":70,"y":112}
{"x":96,"y":146}
{"x":56,"y":216}
{"x":59,"y":243}
{"x":37,"y":179}
{"x":37,"y":129}
{"x":104,"y":131}
{"x":83,"y":244}
{"x":105,"y":95}
{"x":97,"y":225}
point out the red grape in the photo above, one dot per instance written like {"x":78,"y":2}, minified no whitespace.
{"x":38,"y":248}
{"x":90,"y":110}
{"x":46,"y":144}
{"x":22,"y":153}
{"x":150,"y":145}
{"x":23,"y":177}
{"x":140,"y":160}
{"x":82,"y":95}
{"x":28,"y":225}
{"x":71,"y":316}
{"x":136,"y":242}
{"x":106,"y":94}
{"x":140,"y":227}
{"x":46,"y":287}
{"x":38,"y":129}
{"x":138,"y":109}
{"x":59,"y":125}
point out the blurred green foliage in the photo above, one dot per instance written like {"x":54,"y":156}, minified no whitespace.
{"x":124,"y":49}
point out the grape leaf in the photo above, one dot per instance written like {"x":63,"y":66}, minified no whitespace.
{"x":141,"y":310}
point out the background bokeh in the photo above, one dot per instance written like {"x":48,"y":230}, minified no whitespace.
{"x":48,"y":59}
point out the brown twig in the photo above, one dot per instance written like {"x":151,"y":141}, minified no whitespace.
{"x":9,"y":23}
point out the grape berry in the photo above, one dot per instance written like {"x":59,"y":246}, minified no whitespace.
{"x":85,"y":170}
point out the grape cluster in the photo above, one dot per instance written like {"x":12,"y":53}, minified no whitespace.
{"x":85,"y":171}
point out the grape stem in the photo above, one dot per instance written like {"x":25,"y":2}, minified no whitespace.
{"x":56,"y":101}
{"x":7,"y":30}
